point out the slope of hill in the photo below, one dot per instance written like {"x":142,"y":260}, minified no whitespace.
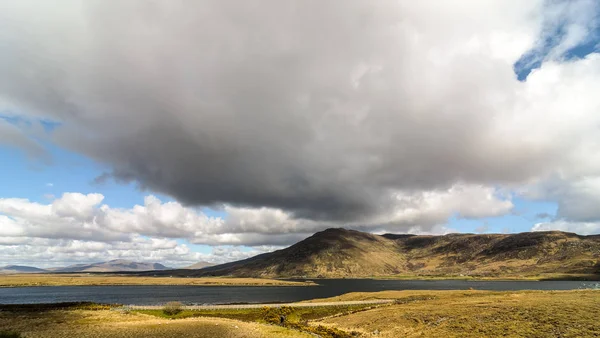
{"x":503,"y":254}
{"x":346,"y":253}
{"x":20,"y":269}
{"x":330,"y":253}
{"x":113,"y":266}
{"x":199,"y":265}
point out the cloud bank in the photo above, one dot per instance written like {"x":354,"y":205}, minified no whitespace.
{"x":76,"y":216}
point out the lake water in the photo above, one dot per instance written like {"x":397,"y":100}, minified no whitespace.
{"x":153,"y":295}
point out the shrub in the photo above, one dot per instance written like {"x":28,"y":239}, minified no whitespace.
{"x":172,"y":308}
{"x":273,"y":315}
{"x":9,"y":334}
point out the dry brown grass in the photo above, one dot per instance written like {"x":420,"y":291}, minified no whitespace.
{"x":414,"y":314}
{"x":21,"y":280}
{"x":101,"y":324}
{"x":476,"y":314}
{"x":507,"y":277}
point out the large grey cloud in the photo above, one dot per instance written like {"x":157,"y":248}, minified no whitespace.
{"x":327,"y":110}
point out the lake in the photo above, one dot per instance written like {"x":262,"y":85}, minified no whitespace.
{"x":154,"y":295}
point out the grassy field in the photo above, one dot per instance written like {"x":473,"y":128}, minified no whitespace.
{"x":475,"y":314}
{"x":413,"y":314}
{"x":21,"y":280}
{"x":95,"y":320}
{"x":257,"y":315}
{"x":533,"y":277}
{"x":104,"y":323}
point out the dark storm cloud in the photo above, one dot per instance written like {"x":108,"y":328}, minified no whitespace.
{"x":319,"y":108}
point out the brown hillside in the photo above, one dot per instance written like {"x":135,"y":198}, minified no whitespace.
{"x":330,"y":253}
{"x":525,"y":253}
{"x":346,"y":253}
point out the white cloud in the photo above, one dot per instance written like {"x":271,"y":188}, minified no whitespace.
{"x":581,"y":228}
{"x":564,"y":25}
{"x":82,"y":217}
{"x":61,"y":252}
{"x":73,"y":216}
{"x":434,"y":208}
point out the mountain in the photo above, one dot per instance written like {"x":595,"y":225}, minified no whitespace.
{"x":331,"y":253}
{"x":347,"y":253}
{"x":199,"y":265}
{"x":117,"y":265}
{"x":20,"y":269}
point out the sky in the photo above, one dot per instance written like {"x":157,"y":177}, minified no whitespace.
{"x":184,"y":131}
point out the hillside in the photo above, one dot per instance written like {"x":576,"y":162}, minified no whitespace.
{"x":346,"y":253}
{"x":330,"y":253}
{"x":199,"y":265}
{"x":20,"y":269}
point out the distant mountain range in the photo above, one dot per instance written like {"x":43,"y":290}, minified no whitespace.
{"x":113,"y":266}
{"x":20,"y":269}
{"x":118,"y":265}
{"x":336,"y":253}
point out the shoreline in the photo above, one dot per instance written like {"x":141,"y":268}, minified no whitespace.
{"x":33,"y":280}
{"x":509,"y":278}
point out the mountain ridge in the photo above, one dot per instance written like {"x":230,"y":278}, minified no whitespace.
{"x":342,"y":253}
{"x":10,"y":269}
{"x":115,"y":265}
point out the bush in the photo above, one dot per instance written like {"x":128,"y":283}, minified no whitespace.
{"x":173,"y":308}
{"x":10,"y":334}
{"x":274,"y":315}
{"x":282,"y":316}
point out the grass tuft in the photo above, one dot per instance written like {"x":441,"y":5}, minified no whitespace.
{"x":173,"y":308}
